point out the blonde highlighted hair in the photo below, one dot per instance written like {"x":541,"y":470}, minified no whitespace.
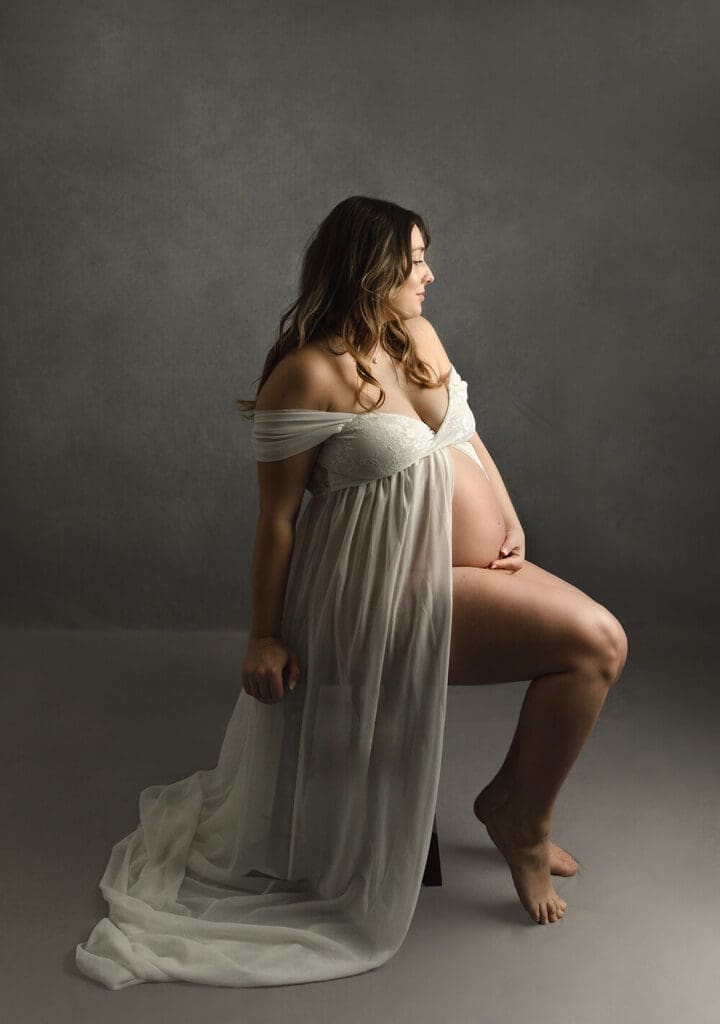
{"x":354,"y":260}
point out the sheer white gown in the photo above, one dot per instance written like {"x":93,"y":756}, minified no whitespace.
{"x":300,"y":856}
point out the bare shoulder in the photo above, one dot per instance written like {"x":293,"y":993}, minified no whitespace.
{"x":428,"y":344}
{"x":301,"y":380}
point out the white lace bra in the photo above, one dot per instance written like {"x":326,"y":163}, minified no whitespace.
{"x":355,"y":448}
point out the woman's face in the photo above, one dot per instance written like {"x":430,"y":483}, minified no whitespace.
{"x":408,"y":298}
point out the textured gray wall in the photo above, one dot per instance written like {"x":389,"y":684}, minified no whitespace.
{"x":164,"y":164}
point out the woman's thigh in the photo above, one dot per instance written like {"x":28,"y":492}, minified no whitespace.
{"x":535,"y":572}
{"x":512,"y":626}
{"x":529,"y":569}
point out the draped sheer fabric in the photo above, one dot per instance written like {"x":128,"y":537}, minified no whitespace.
{"x":299,"y":857}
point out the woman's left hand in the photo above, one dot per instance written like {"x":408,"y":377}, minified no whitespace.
{"x":512,"y":550}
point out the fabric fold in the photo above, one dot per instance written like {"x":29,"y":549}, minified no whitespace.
{"x":299,"y":857}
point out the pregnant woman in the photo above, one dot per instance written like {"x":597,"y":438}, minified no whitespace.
{"x":299,"y":857}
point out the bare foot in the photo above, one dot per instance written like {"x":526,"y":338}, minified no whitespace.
{"x":529,"y":862}
{"x":490,"y":798}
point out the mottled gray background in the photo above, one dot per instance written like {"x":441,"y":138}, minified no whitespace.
{"x":163,"y":166}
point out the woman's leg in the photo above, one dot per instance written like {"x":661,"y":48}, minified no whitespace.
{"x":499,"y":789}
{"x":515,"y":626}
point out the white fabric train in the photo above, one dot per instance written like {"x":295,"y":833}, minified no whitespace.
{"x":300,"y":856}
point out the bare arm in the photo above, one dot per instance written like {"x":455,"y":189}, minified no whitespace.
{"x":299,"y":381}
{"x":499,"y":489}
{"x":272,"y":552}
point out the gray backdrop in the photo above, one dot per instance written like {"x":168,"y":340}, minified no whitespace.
{"x":164,"y":164}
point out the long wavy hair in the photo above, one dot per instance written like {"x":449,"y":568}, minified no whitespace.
{"x":351,"y":264}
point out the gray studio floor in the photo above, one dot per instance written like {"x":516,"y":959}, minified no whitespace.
{"x":91,"y":718}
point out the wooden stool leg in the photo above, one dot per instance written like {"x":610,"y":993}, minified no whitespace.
{"x":432,"y":874}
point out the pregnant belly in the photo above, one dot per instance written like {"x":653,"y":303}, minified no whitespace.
{"x":478,"y":528}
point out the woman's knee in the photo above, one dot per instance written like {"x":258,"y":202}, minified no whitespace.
{"x":622,"y":642}
{"x":603,"y":642}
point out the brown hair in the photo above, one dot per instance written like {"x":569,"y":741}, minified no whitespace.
{"x":354,"y":259}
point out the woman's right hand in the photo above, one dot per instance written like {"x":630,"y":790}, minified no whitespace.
{"x":262,"y":671}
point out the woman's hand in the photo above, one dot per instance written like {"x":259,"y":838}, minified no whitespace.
{"x":512,"y":549}
{"x":262,"y":672}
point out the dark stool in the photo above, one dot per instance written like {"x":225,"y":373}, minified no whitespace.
{"x":432,"y":874}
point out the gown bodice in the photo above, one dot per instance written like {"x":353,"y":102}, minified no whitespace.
{"x":358,"y":447}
